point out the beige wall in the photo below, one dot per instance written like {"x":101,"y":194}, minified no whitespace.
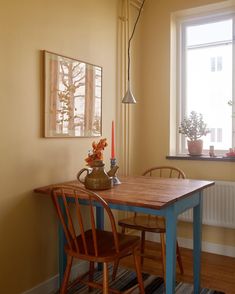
{"x":151,"y":116}
{"x":83,"y":29}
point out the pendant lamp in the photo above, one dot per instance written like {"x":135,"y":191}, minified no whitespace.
{"x":129,"y":97}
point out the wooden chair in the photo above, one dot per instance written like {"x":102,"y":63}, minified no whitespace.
{"x":153,"y":224}
{"x":91,"y":244}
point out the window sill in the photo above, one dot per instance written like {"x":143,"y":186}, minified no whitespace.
{"x":201,"y":158}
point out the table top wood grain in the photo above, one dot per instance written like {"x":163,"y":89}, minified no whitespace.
{"x":142,"y":191}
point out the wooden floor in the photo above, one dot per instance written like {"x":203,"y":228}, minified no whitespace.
{"x":217,"y":271}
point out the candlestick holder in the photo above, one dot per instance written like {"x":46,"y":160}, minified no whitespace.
{"x":116,"y":181}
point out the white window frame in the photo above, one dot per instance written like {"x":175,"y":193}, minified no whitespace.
{"x":181,"y":23}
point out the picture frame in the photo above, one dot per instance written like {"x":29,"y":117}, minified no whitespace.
{"x":73,"y":97}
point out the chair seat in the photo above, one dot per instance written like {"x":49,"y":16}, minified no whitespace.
{"x":105,"y":245}
{"x":146,"y":223}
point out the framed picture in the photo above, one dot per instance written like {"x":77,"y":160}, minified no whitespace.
{"x":73,"y":97}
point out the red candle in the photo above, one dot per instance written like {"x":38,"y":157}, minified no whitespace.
{"x":112,"y":142}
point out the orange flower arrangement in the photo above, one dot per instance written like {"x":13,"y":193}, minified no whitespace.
{"x":97,"y":151}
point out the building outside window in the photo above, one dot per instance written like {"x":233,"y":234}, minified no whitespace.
{"x":206,"y":80}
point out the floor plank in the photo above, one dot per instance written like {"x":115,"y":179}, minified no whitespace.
{"x":218,"y":272}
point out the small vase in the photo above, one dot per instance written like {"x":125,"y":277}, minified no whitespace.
{"x":195,"y":147}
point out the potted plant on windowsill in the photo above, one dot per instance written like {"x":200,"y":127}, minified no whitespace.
{"x":194,"y":127}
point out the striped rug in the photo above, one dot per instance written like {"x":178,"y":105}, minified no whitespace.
{"x":153,"y":285}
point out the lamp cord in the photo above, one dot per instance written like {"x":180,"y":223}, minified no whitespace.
{"x":129,"y":42}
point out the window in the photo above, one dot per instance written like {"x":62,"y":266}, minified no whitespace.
{"x":216,"y":63}
{"x":205,"y":78}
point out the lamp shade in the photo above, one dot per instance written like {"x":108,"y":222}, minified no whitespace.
{"x":129,"y":98}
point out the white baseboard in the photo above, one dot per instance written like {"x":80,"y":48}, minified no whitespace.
{"x":52,"y":285}
{"x":206,"y":246}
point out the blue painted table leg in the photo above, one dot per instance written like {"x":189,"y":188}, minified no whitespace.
{"x":197,"y":232}
{"x":100,"y":218}
{"x":62,"y":242}
{"x":171,"y":220}
{"x":100,"y":225}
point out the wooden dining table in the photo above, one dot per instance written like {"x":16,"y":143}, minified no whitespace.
{"x":156,"y":196}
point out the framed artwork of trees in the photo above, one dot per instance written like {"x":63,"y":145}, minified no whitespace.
{"x":73,"y":97}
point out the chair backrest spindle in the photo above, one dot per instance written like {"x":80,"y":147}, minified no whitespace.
{"x":70,"y":226}
{"x":80,"y":222}
{"x":62,"y":220}
{"x":93,"y":228}
{"x":165,"y":171}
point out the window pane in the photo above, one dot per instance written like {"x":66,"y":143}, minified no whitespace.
{"x":209,"y":33}
{"x":209,"y":79}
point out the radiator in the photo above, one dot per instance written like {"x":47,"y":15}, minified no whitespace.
{"x":218,"y":206}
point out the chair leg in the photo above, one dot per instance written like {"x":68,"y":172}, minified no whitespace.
{"x":123,"y":230}
{"x":115,"y":268}
{"x":105,"y":278}
{"x":138,"y":271}
{"x":64,"y":286}
{"x":91,"y":273}
{"x":142,"y":247}
{"x":163,"y":252}
{"x":179,"y":259}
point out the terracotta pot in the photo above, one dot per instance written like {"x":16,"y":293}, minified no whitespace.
{"x":195,"y":147}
